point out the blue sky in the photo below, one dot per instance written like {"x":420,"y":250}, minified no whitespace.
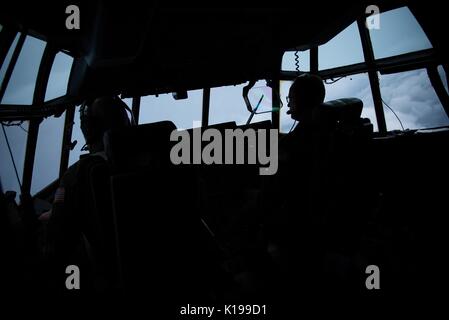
{"x":409,"y":94}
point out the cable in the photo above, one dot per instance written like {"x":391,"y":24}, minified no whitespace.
{"x":254,"y":110}
{"x":400,"y":122}
{"x":14,"y":124}
{"x":269,"y":111}
{"x":297,"y":61}
{"x":12,"y":157}
{"x":23,"y":129}
{"x":333,"y":81}
{"x":85,"y":147}
{"x":386,"y":104}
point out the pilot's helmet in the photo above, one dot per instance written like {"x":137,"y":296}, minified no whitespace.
{"x":306,"y":92}
{"x":102,"y":114}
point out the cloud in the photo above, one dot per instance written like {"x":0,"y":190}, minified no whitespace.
{"x":411,"y":95}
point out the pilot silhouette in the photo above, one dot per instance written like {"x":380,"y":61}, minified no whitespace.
{"x":71,"y":224}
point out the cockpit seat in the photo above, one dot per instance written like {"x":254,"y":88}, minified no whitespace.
{"x":139,"y":146}
{"x":339,"y":182}
{"x":159,"y":231}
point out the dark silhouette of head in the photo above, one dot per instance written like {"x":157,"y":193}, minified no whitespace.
{"x":100,"y":115}
{"x":306,"y":92}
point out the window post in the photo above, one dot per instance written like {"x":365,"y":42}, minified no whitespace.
{"x":206,"y":107}
{"x":33,"y":130}
{"x":372,"y":74}
{"x":136,"y":109}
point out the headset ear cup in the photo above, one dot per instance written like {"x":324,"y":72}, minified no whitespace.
{"x":130,"y":121}
{"x":89,"y":127}
{"x":84,"y":119}
{"x":93,"y":126}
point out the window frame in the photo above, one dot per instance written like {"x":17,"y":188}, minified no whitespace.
{"x":427,"y":58}
{"x":39,"y":109}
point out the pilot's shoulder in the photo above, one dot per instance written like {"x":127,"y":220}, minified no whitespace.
{"x":69,"y":177}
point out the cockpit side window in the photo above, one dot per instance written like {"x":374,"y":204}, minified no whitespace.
{"x":413,"y":99}
{"x":20,"y":90}
{"x":342,"y":50}
{"x":398,"y":33}
{"x":16,"y":136}
{"x":8,"y":58}
{"x":48,"y":153}
{"x":59,"y":76}
{"x":21,"y":86}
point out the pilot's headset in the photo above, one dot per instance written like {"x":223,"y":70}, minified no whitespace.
{"x":112,"y":115}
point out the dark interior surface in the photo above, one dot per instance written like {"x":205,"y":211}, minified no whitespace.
{"x":190,"y":46}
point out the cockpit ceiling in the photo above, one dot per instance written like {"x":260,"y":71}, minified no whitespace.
{"x":143,"y":48}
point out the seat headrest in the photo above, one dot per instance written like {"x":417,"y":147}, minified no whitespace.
{"x":345,"y":110}
{"x":139,"y":146}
